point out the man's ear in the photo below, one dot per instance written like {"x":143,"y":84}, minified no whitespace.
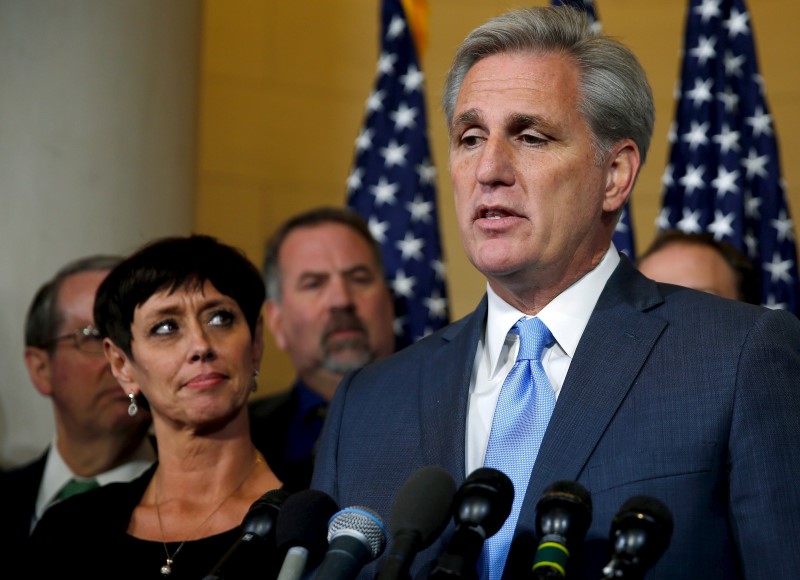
{"x":40,"y":369}
{"x":623,"y":167}
{"x":274,"y":314}
{"x":120,"y":367}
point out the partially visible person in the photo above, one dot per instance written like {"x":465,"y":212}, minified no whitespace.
{"x":699,"y":261}
{"x":330,"y":309}
{"x":96,"y":441}
{"x":627,"y":386}
{"x":182,"y":324}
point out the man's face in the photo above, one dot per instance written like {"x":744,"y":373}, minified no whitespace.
{"x":88,"y":400}
{"x":693,"y":266}
{"x":532,"y":202}
{"x":335,"y":312}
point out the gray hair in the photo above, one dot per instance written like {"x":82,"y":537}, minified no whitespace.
{"x":43,"y":319}
{"x":311,"y":218}
{"x":615,"y":97}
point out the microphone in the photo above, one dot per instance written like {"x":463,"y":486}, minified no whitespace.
{"x":420,"y":513}
{"x":563,"y":515}
{"x":481,"y":505}
{"x":640,"y":533}
{"x":301,"y":531}
{"x":355,"y":537}
{"x":258,"y":526}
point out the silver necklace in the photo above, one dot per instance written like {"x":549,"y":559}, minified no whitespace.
{"x":166,"y":569}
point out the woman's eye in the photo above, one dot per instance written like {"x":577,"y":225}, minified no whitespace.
{"x":164,"y":327}
{"x":221,"y":318}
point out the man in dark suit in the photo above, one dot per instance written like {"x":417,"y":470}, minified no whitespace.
{"x":330,"y":309}
{"x":96,"y":440}
{"x":661,"y":391}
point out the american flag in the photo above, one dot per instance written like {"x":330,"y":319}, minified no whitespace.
{"x":623,"y":235}
{"x":723,"y":175}
{"x":393,"y":186}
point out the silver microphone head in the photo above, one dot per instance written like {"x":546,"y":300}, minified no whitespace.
{"x":362,"y":523}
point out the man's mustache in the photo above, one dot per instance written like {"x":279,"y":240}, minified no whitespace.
{"x":341,"y":321}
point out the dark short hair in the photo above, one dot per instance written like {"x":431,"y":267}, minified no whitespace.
{"x":314,"y":217}
{"x":170,"y":264}
{"x":44,"y":318}
{"x":615,"y":97}
{"x":747,"y":280}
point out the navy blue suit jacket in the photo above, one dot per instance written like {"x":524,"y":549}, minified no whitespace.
{"x":672,"y":393}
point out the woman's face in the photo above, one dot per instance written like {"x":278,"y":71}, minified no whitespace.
{"x":193,"y":356}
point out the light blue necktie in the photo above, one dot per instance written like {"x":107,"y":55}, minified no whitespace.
{"x":523,"y":410}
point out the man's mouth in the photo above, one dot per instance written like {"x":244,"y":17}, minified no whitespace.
{"x":494,"y":213}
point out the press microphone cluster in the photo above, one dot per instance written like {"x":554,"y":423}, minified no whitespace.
{"x":314,"y":539}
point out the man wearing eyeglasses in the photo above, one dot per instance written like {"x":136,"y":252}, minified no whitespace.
{"x":96,"y":440}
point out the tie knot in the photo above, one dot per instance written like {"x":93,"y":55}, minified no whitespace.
{"x":534,"y":337}
{"x":76,"y":486}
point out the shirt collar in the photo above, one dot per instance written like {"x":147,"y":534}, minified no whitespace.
{"x":57,"y":473}
{"x":566,"y":315}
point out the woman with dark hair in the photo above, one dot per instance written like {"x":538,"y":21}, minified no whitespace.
{"x":182,"y":327}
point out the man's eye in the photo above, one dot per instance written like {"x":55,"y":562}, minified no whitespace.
{"x":470,"y":140}
{"x":363,"y":280}
{"x":311,"y":284}
{"x":529,"y":139}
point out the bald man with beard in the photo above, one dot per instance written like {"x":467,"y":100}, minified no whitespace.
{"x":329,"y":308}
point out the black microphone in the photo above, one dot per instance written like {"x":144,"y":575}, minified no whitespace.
{"x":301,"y":532}
{"x":355,"y":537}
{"x":563,"y":515}
{"x":640,"y":533}
{"x":420,"y":513}
{"x":481,"y":505}
{"x":258,"y":527}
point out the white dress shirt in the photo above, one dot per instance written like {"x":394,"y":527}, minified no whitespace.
{"x":566,"y":316}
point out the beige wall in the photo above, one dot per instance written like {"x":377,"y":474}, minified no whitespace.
{"x":98,"y":123}
{"x":283,"y":87}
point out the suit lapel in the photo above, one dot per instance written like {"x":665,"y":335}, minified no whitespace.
{"x":444,"y":379}
{"x":617,"y":341}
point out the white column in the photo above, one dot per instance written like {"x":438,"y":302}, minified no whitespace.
{"x":98,"y":108}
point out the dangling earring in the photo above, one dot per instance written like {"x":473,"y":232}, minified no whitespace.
{"x":133,"y":408}
{"x":254,"y":386}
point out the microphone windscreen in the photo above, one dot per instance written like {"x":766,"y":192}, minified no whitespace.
{"x":642,"y":528}
{"x":565,"y":508}
{"x":487,"y":487}
{"x":650,"y":506}
{"x":303,"y":522}
{"x":424,"y":503}
{"x":261,"y":516}
{"x":363,"y":522}
{"x":569,"y":490}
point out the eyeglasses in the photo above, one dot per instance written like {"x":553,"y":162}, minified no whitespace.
{"x":86,"y":339}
